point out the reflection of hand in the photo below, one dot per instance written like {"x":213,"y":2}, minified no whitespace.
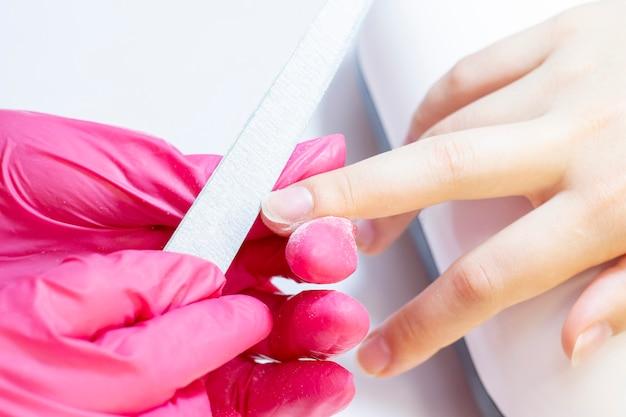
{"x":539,"y":114}
{"x":73,"y":189}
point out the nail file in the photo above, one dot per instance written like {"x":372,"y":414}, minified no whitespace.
{"x":218,"y":221}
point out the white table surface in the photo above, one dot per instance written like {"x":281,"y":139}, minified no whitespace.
{"x":192,"y":72}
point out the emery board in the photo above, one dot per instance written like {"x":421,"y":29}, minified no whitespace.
{"x":219,"y":219}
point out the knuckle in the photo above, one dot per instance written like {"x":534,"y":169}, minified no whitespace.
{"x":335,"y":195}
{"x":564,"y":68}
{"x":599,"y":119}
{"x":419,"y":123}
{"x":569,"y":70}
{"x":452,"y":160}
{"x":593,"y":121}
{"x":455,"y":122}
{"x":577,"y":19}
{"x":408,"y":328}
{"x":609,"y":115}
{"x":566,"y":23}
{"x":602,"y":206}
{"x":473,"y":284}
{"x":347,"y":192}
{"x":460,"y":76}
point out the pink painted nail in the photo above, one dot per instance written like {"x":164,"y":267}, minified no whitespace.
{"x":374,"y":354}
{"x":589,"y":341}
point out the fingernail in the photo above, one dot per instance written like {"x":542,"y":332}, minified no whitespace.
{"x":365,"y":234}
{"x":288,"y":206}
{"x":374,"y":354}
{"x":590,"y":341}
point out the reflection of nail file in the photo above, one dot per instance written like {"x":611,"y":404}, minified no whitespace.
{"x":223,"y":213}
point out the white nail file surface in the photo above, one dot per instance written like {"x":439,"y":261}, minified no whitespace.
{"x":223,"y":213}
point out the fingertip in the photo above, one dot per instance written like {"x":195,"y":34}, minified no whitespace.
{"x":590,"y":341}
{"x":292,"y":203}
{"x":318,"y":324}
{"x":278,"y":228}
{"x":258,"y":315}
{"x":297,"y":388}
{"x":398,"y":345}
{"x":241,"y":320}
{"x":569,"y":332}
{"x":596,"y":316}
{"x":323,"y":251}
{"x":284,"y":209}
{"x":365,"y":235}
{"x":338,"y":386}
{"x":322,"y":388}
{"x":374,"y":355}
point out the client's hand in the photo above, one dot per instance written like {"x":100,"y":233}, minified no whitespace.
{"x":540,"y":114}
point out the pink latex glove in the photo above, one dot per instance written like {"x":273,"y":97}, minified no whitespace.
{"x":120,"y":334}
{"x":76,"y":188}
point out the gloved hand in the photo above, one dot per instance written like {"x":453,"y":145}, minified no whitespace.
{"x":120,"y":334}
{"x":72,"y":187}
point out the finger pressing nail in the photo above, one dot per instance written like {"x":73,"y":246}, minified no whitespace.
{"x":589,"y":341}
{"x":288,"y":207}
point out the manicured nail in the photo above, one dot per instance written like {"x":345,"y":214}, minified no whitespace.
{"x":365,"y":234}
{"x":289,"y":206}
{"x":374,"y":354}
{"x":589,"y":341}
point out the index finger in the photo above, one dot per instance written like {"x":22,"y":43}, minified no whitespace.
{"x":485,"y":162}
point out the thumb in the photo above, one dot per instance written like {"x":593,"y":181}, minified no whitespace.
{"x":328,"y":194}
{"x":598,"y":314}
